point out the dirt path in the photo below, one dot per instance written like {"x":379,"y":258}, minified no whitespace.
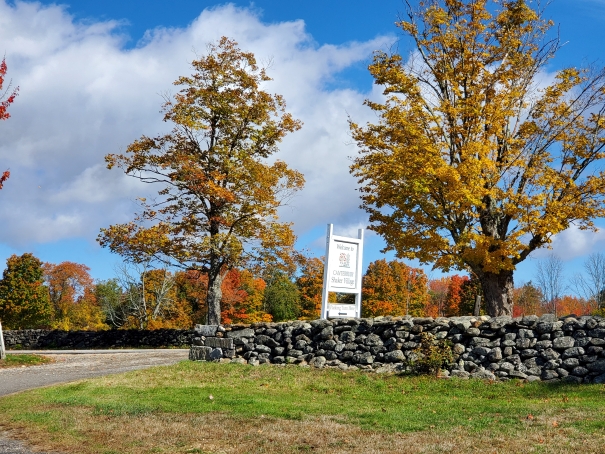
{"x":74,"y":366}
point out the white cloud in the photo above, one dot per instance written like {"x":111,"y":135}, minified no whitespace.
{"x":573,"y":243}
{"x":83,"y":95}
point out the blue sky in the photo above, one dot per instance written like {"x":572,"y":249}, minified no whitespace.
{"x":92,"y":73}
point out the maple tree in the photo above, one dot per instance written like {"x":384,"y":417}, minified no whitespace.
{"x":310,"y":286}
{"x":243,"y":296}
{"x":471,"y":165}
{"x":217,"y":208}
{"x":393,"y":288}
{"x":438,"y":289}
{"x":6,"y":99}
{"x":24,"y":300}
{"x":72,"y":295}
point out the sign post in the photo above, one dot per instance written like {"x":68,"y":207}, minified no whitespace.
{"x":2,"y":350}
{"x":342,"y":274}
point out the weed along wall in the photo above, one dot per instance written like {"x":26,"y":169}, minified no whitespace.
{"x":532,"y":348}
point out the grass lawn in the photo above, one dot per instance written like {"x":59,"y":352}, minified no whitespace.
{"x":228,"y":408}
{"x":14,"y":360}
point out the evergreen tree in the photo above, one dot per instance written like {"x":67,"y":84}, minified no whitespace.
{"x":24,"y":299}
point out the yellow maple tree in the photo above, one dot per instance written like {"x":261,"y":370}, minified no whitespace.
{"x":219,"y":195}
{"x":471,"y":165}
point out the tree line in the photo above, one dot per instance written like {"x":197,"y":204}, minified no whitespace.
{"x":63,"y":296}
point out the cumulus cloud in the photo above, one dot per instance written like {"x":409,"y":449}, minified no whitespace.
{"x":573,"y":243}
{"x":83,"y":94}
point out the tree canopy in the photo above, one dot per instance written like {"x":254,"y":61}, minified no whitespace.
{"x":476,"y":161}
{"x":218,"y":199}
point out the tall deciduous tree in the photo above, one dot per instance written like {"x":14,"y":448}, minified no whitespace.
{"x":6,"y":99}
{"x":471,"y":164}
{"x":24,"y":299}
{"x":219,"y":196}
{"x":310,"y":286}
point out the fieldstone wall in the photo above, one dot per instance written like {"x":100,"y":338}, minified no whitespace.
{"x":531,"y":348}
{"x":35,"y":339}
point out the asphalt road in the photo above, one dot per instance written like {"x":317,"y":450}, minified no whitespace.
{"x":75,"y":365}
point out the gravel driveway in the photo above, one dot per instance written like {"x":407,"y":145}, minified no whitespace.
{"x":76,"y":365}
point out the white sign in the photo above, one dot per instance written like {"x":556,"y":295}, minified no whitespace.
{"x":342,"y":274}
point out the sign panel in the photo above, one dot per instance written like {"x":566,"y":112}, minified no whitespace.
{"x":342,"y":274}
{"x":343,"y":267}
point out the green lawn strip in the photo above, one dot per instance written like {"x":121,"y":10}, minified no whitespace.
{"x":17,"y":360}
{"x":377,"y":402}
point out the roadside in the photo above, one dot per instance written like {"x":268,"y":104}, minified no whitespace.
{"x":76,"y":365}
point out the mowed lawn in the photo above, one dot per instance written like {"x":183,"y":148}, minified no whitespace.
{"x":229,"y":408}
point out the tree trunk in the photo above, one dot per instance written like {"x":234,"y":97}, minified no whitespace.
{"x":498,"y":293}
{"x":214,"y":297}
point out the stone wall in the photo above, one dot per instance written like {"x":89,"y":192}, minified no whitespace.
{"x":34,"y":339}
{"x":531,"y":348}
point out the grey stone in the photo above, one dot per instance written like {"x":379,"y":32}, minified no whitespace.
{"x":532,"y":378}
{"x":549,"y":353}
{"x":579,"y":371}
{"x":373,"y":340}
{"x":572,"y":379}
{"x":246,"y":332}
{"x":243,"y":361}
{"x":495,"y":355}
{"x":599,"y":379}
{"x":549,"y":375}
{"x":327,"y":333}
{"x":266,"y":340}
{"x":526,"y":334}
{"x":564,"y":342}
{"x":199,"y":353}
{"x":523,"y":343}
{"x":318,"y":362}
{"x":483,"y":375}
{"x":473,"y":332}
{"x":528,"y":353}
{"x":572,"y":352}
{"x":597,"y":366}
{"x":206,"y":330}
{"x":517,"y":374}
{"x":347,"y":336}
{"x":262,"y":349}
{"x":460,"y":374}
{"x":394,"y":357}
{"x":215,"y":354}
{"x":481,"y":351}
{"x":562,"y":372}
{"x":219,"y":342}
{"x":571,"y":362}
{"x":363,"y":358}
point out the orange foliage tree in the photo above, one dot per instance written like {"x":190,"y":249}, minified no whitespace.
{"x":72,"y":295}
{"x":310,"y":287}
{"x":393,"y":288}
{"x":438,"y":289}
{"x":219,"y":196}
{"x":243,"y":298}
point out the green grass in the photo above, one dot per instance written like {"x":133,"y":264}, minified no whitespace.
{"x":387,"y":404}
{"x":390,"y":403}
{"x":18,"y":360}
